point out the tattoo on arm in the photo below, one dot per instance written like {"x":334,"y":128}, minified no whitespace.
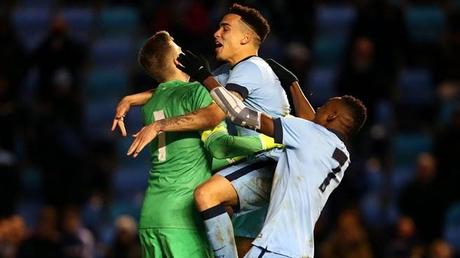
{"x":175,"y":122}
{"x":193,"y":121}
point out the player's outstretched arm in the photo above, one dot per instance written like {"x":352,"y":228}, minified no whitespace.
{"x":222,"y":145}
{"x":125,"y":104}
{"x":199,"y":120}
{"x":291,"y":85}
{"x":237,"y":111}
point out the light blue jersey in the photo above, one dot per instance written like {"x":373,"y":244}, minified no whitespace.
{"x":309,"y":169}
{"x":261,"y":90}
{"x":259,"y":86}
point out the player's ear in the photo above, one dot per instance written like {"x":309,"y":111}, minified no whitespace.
{"x":331,"y":117}
{"x":245,"y":39}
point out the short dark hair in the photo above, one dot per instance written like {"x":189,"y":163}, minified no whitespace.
{"x":253,"y":18}
{"x":153,"y":55}
{"x":358,"y":112}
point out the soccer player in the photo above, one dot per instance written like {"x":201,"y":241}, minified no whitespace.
{"x":310,"y":167}
{"x":169,"y":224}
{"x":238,"y":39}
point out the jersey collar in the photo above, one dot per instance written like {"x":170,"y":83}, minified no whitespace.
{"x":171,"y":83}
{"x":242,"y":60}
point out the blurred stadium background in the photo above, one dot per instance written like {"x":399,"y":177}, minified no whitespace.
{"x":67,"y":188}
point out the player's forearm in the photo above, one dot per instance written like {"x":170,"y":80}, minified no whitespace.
{"x":210,"y":83}
{"x":139,"y":98}
{"x":267,"y":125}
{"x":238,"y":112}
{"x":302,"y":106}
{"x":199,"y":120}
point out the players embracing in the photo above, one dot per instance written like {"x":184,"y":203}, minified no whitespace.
{"x":307,"y":169}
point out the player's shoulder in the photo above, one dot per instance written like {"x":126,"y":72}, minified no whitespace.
{"x":322,"y":136}
{"x":322,"y":131}
{"x":304,"y":126}
{"x":293,"y":120}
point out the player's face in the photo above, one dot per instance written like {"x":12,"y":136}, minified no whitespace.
{"x":174,"y":52}
{"x":176,"y":49}
{"x":228,"y":37}
{"x":328,"y":111}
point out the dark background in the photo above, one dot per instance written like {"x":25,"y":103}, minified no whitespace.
{"x":67,"y":189}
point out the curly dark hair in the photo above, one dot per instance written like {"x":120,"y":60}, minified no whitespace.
{"x":358,"y":112}
{"x":253,"y":18}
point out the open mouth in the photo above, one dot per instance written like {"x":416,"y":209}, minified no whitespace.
{"x":218,"y":45}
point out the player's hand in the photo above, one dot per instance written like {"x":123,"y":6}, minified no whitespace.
{"x":120,"y":113}
{"x":142,"y":138}
{"x":286,"y":77}
{"x":193,"y":65}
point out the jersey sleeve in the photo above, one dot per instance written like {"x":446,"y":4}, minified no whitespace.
{"x":197,"y":98}
{"x":292,"y":131}
{"x":244,"y":79}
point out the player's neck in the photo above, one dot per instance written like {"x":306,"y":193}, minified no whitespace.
{"x":339,"y":130}
{"x":241,"y":55}
{"x":177,"y":76}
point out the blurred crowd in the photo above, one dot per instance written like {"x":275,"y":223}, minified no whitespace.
{"x":67,"y":188}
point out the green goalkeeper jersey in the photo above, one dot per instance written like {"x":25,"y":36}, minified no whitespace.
{"x":179,"y":160}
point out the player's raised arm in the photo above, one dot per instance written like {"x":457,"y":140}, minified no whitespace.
{"x":290,"y":83}
{"x":125,"y":104}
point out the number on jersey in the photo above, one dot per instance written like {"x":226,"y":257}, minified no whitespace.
{"x":158,"y":115}
{"x":341,"y":157}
